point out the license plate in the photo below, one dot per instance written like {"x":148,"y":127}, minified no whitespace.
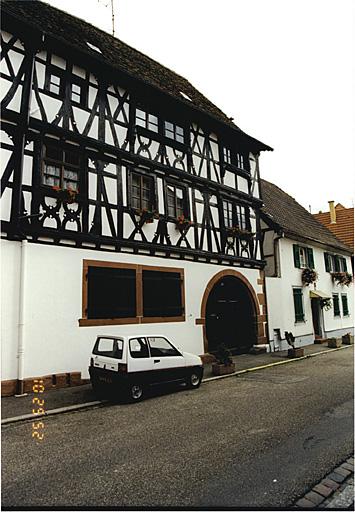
{"x":106,"y":380}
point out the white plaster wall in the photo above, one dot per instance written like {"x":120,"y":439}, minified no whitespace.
{"x":280,"y":297}
{"x":10,"y":256}
{"x":54,"y":342}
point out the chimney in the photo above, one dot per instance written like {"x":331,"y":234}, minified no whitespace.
{"x":333,"y":215}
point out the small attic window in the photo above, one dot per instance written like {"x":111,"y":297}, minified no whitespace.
{"x":92,"y":47}
{"x":185,"y":96}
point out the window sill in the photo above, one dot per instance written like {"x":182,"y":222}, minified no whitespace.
{"x":88,"y":322}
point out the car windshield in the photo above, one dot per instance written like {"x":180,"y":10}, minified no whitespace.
{"x":110,"y":347}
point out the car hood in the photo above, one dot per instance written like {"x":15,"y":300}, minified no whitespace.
{"x":192,"y":359}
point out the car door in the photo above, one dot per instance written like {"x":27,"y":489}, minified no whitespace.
{"x":168,"y":363}
{"x":140,"y":364}
{"x":107,"y":356}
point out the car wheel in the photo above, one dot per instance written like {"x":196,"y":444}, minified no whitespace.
{"x":135,"y":392}
{"x":194,"y":378}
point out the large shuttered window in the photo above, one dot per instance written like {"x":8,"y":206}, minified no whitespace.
{"x":298,"y":304}
{"x":303,"y":256}
{"x":119,"y":293}
{"x":111,"y":292}
{"x":162,"y":294}
{"x":336,"y":305}
{"x":344,"y":303}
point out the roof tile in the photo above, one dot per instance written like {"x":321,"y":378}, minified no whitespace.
{"x":76,"y":32}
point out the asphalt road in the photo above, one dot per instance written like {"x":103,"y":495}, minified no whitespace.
{"x":261,"y":440}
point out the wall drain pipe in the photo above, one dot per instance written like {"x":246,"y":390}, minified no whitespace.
{"x":21,"y":320}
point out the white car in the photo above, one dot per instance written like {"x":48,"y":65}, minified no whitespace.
{"x":132,"y":363}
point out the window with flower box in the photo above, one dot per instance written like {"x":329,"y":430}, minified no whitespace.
{"x":60,"y":168}
{"x":303,"y":256}
{"x":334,"y":263}
{"x":142,"y":192}
{"x":176,"y":200}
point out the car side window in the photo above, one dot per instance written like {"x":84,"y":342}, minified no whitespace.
{"x":110,"y":347}
{"x":160,"y":347}
{"x":138,"y":348}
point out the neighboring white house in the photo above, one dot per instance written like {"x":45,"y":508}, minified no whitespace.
{"x":130,"y":203}
{"x":295,"y":241}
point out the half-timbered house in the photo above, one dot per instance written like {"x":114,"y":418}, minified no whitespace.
{"x":130,"y":202}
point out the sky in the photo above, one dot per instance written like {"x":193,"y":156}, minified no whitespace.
{"x":283,"y":69}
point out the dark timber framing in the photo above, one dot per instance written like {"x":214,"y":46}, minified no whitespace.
{"x":196,"y":167}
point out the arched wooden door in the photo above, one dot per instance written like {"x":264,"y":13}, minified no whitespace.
{"x":230,"y":316}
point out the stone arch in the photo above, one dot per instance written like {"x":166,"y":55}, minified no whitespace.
{"x":256,"y":299}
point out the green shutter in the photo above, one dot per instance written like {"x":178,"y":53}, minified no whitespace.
{"x":327,"y":262}
{"x":296,"y":256}
{"x":336,"y":304}
{"x":336,"y":263}
{"x":298,"y":304}
{"x":310,"y":259}
{"x":344,"y":301}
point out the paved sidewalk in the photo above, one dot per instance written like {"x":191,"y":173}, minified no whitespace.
{"x":246,"y":361}
{"x":335,"y":491}
{"x":12,"y":407}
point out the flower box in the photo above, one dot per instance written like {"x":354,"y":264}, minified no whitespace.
{"x":147,"y":216}
{"x":223,"y":369}
{"x":295,"y":352}
{"x":342,"y":278}
{"x":237,"y":232}
{"x":66,"y":195}
{"x":309,"y":276}
{"x":182,"y":223}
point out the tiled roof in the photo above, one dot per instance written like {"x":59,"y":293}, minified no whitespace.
{"x":344,"y":226}
{"x":293,"y":219}
{"x":76,"y":33}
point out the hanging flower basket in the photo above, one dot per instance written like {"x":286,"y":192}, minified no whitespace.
{"x":326,"y":304}
{"x":309,"y":276}
{"x":66,"y":195}
{"x":237,"y":232}
{"x":182,"y":223}
{"x":147,"y":215}
{"x":342,"y":278}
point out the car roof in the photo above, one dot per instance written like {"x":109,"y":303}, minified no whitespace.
{"x":140,"y":335}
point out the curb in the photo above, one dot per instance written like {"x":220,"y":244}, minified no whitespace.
{"x":255,"y":368}
{"x":52,"y":412}
{"x":86,"y":405}
{"x":322,"y":494}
